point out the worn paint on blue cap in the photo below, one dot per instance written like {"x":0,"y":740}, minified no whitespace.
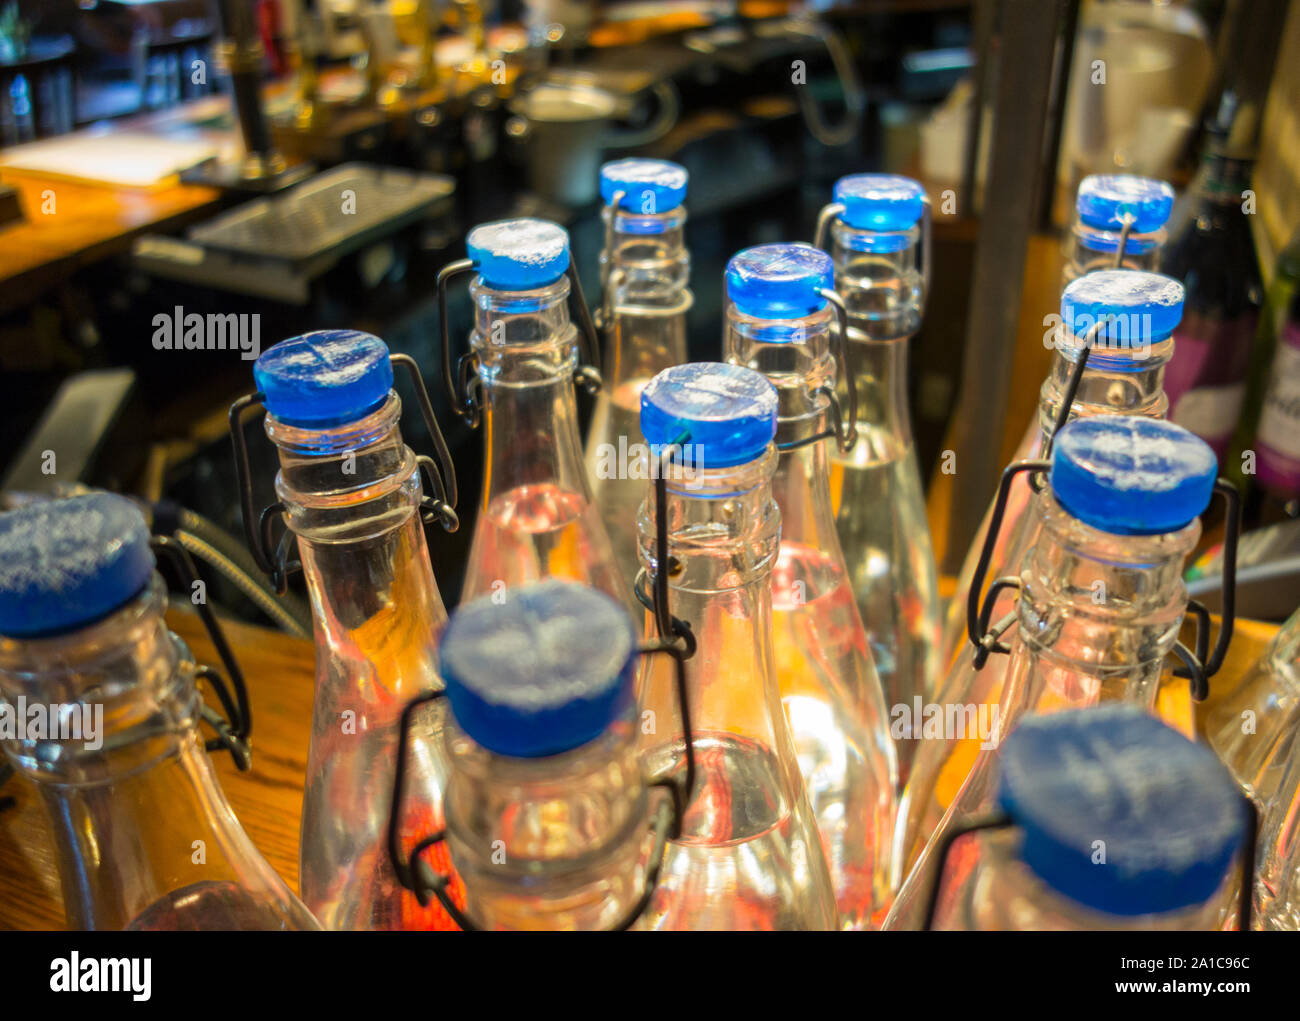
{"x":1140,"y":308}
{"x":519,"y":255}
{"x":325,"y":378}
{"x":782,"y":281}
{"x":546,"y":671}
{"x":1130,"y":475}
{"x":726,"y":413}
{"x":65,"y":564}
{"x":649,"y":186}
{"x":1106,"y":200}
{"x":1165,"y":810}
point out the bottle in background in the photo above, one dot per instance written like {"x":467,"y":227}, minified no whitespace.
{"x":748,"y":856}
{"x":1100,"y":604}
{"x":1253,"y":728}
{"x":547,"y":810}
{"x":1105,"y":203}
{"x":645,"y":269}
{"x":879,"y":240}
{"x":779,"y":322}
{"x":1214,"y":257}
{"x":1277,"y":437}
{"x":536,"y":519}
{"x":144,"y":836}
{"x":1115,"y":822}
{"x":351,"y":494}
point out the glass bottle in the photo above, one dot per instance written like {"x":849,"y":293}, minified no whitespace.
{"x":1277,"y":438}
{"x":1277,"y":879}
{"x":547,"y":810}
{"x":1214,"y":256}
{"x":1100,"y":606}
{"x":143,"y":834}
{"x":1104,"y":204}
{"x":351,"y":492}
{"x":1253,"y":728}
{"x":537,"y":518}
{"x":882,"y":275}
{"x":779,"y":322}
{"x":1075,"y":784}
{"x":1123,"y":375}
{"x":645,"y":268}
{"x":748,"y":855}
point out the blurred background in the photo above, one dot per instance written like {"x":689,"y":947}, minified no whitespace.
{"x":165,"y":153}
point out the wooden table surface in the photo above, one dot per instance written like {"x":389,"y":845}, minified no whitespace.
{"x":268,"y":798}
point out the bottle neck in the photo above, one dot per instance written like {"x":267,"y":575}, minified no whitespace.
{"x":135,"y":808}
{"x":351,"y":495}
{"x":1093,"y":248}
{"x":879,"y":276}
{"x":1098,"y":612}
{"x":645,"y":269}
{"x":795,"y":356}
{"x":1119,"y":379}
{"x":527,"y":353}
{"x":552,"y":843}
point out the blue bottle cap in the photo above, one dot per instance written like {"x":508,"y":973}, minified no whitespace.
{"x":1132,"y":476}
{"x":542,"y":673}
{"x":1105,"y":199}
{"x":519,"y":255}
{"x":727,"y":413}
{"x":65,"y":564}
{"x":324,"y":378}
{"x":1114,"y":779}
{"x":648,"y":186}
{"x":879,"y":201}
{"x":1141,"y":308}
{"x":779,"y":281}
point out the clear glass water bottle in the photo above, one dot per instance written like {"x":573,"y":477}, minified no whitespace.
{"x":144,"y":836}
{"x":1123,"y":375}
{"x":537,"y":518}
{"x":1112,"y":821}
{"x":879,"y":235}
{"x":1106,"y":203}
{"x":1277,"y":881}
{"x":779,"y":322}
{"x":645,"y":269}
{"x":748,"y":856}
{"x":1101,"y":600}
{"x":548,"y":814}
{"x":1253,"y":728}
{"x":351,"y":494}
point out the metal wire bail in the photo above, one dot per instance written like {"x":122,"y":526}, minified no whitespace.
{"x":462,"y":386}
{"x":845,"y":436}
{"x":233,"y":729}
{"x":270,"y":556}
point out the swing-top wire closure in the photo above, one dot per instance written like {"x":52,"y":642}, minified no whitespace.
{"x":845,"y":435}
{"x":463,"y":386}
{"x":834,"y":210}
{"x":999,"y":820}
{"x":1196,"y":666}
{"x":613,"y":277}
{"x":235,"y":726}
{"x":1090,"y":338}
{"x":675,"y":640}
{"x":272,"y":557}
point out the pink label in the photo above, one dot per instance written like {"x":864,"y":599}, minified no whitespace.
{"x":1206,"y":380}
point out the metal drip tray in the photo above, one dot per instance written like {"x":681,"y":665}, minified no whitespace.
{"x":275,"y":246}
